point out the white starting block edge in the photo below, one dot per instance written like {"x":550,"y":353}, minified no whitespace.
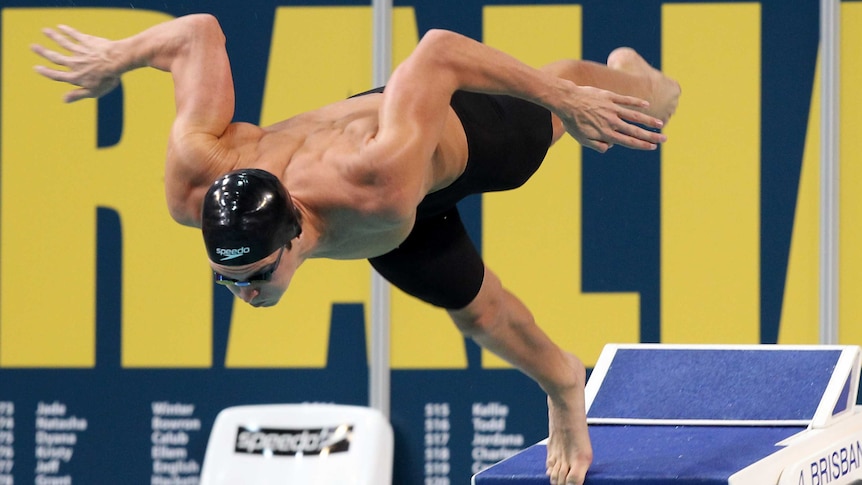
{"x":847,"y":371}
{"x":831,"y":455}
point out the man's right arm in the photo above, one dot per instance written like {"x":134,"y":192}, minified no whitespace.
{"x":192,"y":49}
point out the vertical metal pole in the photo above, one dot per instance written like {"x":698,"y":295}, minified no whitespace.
{"x":830,"y":35}
{"x":378,"y":372}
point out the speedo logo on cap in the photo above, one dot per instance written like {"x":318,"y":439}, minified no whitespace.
{"x":291,"y":442}
{"x":228,"y":254}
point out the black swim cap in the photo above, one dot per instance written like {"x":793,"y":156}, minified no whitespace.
{"x":247,"y":215}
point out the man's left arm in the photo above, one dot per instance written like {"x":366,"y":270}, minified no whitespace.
{"x":418,"y":94}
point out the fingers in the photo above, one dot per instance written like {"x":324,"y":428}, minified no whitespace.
{"x":598,"y":145}
{"x":53,"y":56}
{"x":62,"y":40}
{"x":635,"y":143}
{"x":619,"y":121}
{"x":67,"y":77}
{"x":78,"y":36}
{"x":60,"y":60}
{"x":86,"y":65}
{"x":640,"y":118}
{"x":78,"y":94}
{"x":63,"y":76}
{"x":631,"y":135}
{"x":50,"y":55}
{"x":628,"y":101}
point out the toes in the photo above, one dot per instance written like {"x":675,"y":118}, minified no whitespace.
{"x":575,"y":478}
{"x":555,"y":472}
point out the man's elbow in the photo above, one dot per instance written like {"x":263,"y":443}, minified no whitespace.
{"x":441,"y":54}
{"x":439,"y":41}
{"x":205,"y":26}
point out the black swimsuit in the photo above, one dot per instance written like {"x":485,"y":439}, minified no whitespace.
{"x":507,"y":140}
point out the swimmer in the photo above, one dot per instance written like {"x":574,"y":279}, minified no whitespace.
{"x":378,"y":176}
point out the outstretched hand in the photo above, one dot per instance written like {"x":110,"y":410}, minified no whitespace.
{"x":89,"y":63}
{"x":601,"y":119}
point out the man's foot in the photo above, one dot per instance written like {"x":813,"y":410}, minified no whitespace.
{"x":569,"y":449}
{"x":665,"y":91}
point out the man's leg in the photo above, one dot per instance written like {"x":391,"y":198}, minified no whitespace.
{"x":499,"y":322}
{"x":625,"y":73}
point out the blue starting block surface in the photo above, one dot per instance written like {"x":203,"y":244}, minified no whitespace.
{"x":737,"y":415}
{"x":653,"y":455}
{"x":746,"y":385}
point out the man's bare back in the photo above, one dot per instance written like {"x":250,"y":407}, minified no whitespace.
{"x":320,"y":159}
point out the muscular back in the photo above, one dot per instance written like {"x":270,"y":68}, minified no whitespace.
{"x":326,"y":162}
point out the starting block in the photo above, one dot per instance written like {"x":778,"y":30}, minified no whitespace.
{"x":715,"y":414}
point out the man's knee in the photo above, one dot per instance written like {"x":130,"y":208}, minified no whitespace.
{"x":472,"y":322}
{"x":484,"y":312}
